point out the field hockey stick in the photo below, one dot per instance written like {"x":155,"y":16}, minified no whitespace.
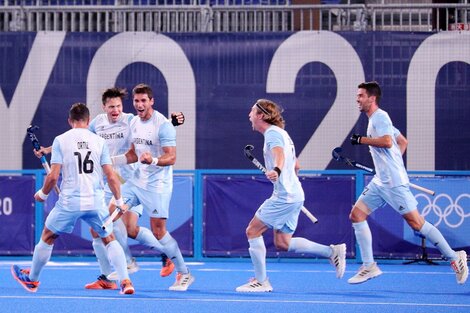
{"x":34,"y":140}
{"x":336,"y":153}
{"x":110,"y":219}
{"x":249,"y":155}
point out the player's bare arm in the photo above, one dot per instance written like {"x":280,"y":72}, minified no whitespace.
{"x":51,"y":180}
{"x":42,"y":151}
{"x":278,"y":154}
{"x":167,"y":158}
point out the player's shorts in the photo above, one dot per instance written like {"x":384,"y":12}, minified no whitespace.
{"x":280,"y":215}
{"x":108,"y":195}
{"x":399,"y":198}
{"x":60,"y":221}
{"x":155,"y":204}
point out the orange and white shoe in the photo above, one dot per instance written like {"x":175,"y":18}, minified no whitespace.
{"x":167,"y":266}
{"x":102,"y":283}
{"x":126,"y":287}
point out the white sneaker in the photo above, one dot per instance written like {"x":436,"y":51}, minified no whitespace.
{"x":338,"y":259}
{"x":255,"y":286}
{"x":365,"y":273}
{"x":183,"y":281}
{"x":460,"y":267}
{"x":131,"y":269}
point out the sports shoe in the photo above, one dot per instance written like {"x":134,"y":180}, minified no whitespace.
{"x":167,"y":266}
{"x":365,"y":273}
{"x":338,"y":259}
{"x":255,"y":286}
{"x":131,"y":269}
{"x":21,"y":276}
{"x":126,"y":287}
{"x":102,"y":283}
{"x":460,"y":267}
{"x":183,"y":281}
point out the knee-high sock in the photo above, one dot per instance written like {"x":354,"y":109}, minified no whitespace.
{"x":302,"y":245}
{"x":364,"y":239}
{"x":117,"y":259}
{"x":102,"y":256}
{"x":146,"y":237}
{"x":42,"y":254}
{"x":257,"y":251}
{"x":171,"y":249}
{"x":435,"y":236}
{"x":120,"y":233}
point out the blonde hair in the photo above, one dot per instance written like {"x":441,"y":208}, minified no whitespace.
{"x":272,"y":112}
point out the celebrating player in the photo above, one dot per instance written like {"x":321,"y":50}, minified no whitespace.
{"x":83,"y":157}
{"x":154,"y":147}
{"x":281,"y":211}
{"x":113,"y":126}
{"x":389,"y":185}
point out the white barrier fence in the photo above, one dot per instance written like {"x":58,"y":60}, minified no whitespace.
{"x":47,"y":16}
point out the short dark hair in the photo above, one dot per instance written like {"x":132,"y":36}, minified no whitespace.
{"x":113,"y":93}
{"x":143,"y":89}
{"x":372,"y":89}
{"x":79,"y":112}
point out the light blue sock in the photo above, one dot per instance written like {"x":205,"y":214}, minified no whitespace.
{"x":257,"y":251}
{"x":434,"y":235}
{"x":364,"y":239}
{"x":120,"y":232}
{"x":42,"y":255}
{"x":171,"y":249}
{"x":102,"y":255}
{"x":302,"y":245}
{"x":117,"y":259}
{"x":146,"y":237}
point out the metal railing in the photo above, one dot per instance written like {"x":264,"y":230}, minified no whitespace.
{"x":232,"y":18}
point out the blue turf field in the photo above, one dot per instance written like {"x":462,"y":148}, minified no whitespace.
{"x":298,"y":287}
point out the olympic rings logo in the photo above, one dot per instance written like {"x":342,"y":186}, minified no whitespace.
{"x":443,"y":215}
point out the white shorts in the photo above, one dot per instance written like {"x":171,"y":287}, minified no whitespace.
{"x":280,"y":215}
{"x":155,"y":204}
{"x":61,"y":221}
{"x":399,"y":198}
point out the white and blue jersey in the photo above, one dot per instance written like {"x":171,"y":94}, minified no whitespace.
{"x":390,"y":183}
{"x":152,"y":136}
{"x":81,"y":155}
{"x":281,"y":210}
{"x":388,"y":162}
{"x":287,"y":188}
{"x":117,"y":136}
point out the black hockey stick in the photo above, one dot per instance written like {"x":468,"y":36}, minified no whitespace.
{"x":336,"y":153}
{"x":249,"y":155}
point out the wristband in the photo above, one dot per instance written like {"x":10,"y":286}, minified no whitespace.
{"x":154,"y":161}
{"x":119,"y":159}
{"x":119,"y":202}
{"x":42,"y":195}
{"x":277,"y":170}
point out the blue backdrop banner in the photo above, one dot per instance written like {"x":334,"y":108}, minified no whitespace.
{"x":215,"y":79}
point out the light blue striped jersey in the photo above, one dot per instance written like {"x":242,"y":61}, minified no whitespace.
{"x":388,"y":162}
{"x":81,"y":154}
{"x":151,"y":136}
{"x":117,"y":136}
{"x":287,"y":188}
